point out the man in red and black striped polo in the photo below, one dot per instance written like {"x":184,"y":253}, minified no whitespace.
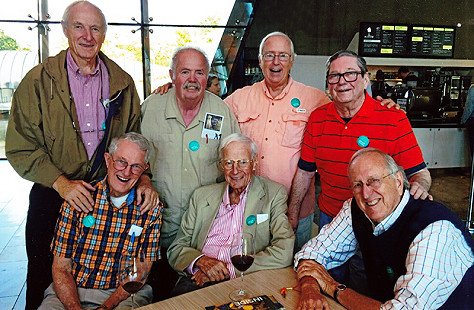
{"x":338,"y":129}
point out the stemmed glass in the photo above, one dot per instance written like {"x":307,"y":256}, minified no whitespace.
{"x":133,"y":272}
{"x":242,"y":253}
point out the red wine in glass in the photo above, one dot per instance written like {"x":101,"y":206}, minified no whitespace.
{"x":132,"y":287}
{"x":242,"y":251}
{"x":242,"y":262}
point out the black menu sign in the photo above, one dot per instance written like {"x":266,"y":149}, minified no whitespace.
{"x":432,"y":41}
{"x":396,"y":40}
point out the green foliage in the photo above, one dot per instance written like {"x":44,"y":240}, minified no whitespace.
{"x":7,"y":43}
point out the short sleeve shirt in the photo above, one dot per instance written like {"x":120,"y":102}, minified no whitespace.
{"x":329,"y":142}
{"x":95,"y":251}
{"x":182,"y":159}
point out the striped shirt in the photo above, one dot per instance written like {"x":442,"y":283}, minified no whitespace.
{"x":437,"y":259}
{"x":90,"y":93}
{"x":329,"y":144}
{"x":228,"y":222}
{"x":95,"y":251}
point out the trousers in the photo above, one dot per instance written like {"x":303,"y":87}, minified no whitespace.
{"x":41,"y":220}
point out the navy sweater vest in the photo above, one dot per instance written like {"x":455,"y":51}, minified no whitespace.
{"x":385,"y":255}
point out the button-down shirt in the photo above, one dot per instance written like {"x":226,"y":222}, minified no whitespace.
{"x":277,"y":126}
{"x":182,"y":159}
{"x":95,"y":251}
{"x":228,"y":223}
{"x":433,"y":271}
{"x":90,"y":94}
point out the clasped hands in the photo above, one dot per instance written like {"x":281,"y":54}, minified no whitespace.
{"x":210,"y":270}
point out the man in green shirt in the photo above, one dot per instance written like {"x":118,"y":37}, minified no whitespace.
{"x":185,"y":147}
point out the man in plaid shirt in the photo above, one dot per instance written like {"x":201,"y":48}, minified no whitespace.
{"x":87,"y":246}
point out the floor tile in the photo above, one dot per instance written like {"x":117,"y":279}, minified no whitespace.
{"x":6,"y":233}
{"x":13,"y":254}
{"x":12,"y":278}
{"x":21,"y":301}
{"x":7,"y":302}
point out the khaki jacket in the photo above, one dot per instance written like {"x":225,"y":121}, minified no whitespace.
{"x":41,"y":142}
{"x":274,"y":238}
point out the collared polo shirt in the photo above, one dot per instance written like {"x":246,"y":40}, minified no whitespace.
{"x":182,"y":159}
{"x":277,"y":126}
{"x":329,"y":144}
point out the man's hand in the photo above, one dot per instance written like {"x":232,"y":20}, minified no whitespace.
{"x":388,"y":102}
{"x":310,"y":268}
{"x":75,"y":192}
{"x":311,"y":298}
{"x":420,"y":183}
{"x":418,"y":191}
{"x":214,"y":269}
{"x":163,"y":89}
{"x":147,"y":197}
{"x":200,"y":278}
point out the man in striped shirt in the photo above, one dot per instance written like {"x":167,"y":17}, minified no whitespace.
{"x":338,"y":129}
{"x":244,"y":203}
{"x":87,"y":246}
{"x":417,"y":253}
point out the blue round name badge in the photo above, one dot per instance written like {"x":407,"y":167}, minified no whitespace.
{"x":194,"y":145}
{"x":88,"y":221}
{"x":251,"y":219}
{"x":363,"y":141}
{"x":295,"y":102}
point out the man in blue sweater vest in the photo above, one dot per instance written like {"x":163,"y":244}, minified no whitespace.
{"x":417,"y":253}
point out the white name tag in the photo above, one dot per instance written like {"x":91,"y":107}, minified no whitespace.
{"x":261,"y":218}
{"x":300,"y":110}
{"x":135,"y":229}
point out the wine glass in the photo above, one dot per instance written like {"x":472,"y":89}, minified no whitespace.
{"x":133,"y":272}
{"x":242,"y":251}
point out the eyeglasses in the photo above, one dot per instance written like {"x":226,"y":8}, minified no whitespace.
{"x":373,"y":183}
{"x":228,"y":164}
{"x":120,"y":164}
{"x":281,"y":56}
{"x":349,"y":76}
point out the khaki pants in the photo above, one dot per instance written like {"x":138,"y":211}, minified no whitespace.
{"x":92,"y":298}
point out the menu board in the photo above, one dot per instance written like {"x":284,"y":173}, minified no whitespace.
{"x":397,"y":40}
{"x":432,"y":41}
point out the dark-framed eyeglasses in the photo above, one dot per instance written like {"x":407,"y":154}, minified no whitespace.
{"x":349,"y":76}
{"x":121,"y":164}
{"x":228,"y":164}
{"x":373,"y":183}
{"x":282,"y":56}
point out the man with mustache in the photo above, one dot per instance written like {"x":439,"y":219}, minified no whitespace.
{"x":184,"y":153}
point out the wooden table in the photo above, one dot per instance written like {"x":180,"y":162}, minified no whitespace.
{"x":266,"y":282}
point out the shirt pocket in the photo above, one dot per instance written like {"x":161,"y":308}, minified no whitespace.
{"x":294,"y":124}
{"x":246,"y":118}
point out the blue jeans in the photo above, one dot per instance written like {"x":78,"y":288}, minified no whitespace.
{"x":303,"y":232}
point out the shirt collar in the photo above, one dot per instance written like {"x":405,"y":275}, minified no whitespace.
{"x":283,"y":93}
{"x":71,"y":64}
{"x":105,"y":188}
{"x":365,"y":111}
{"x":226,"y":198}
{"x":393,"y":217}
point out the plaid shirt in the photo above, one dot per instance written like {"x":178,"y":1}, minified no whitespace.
{"x":95,"y":251}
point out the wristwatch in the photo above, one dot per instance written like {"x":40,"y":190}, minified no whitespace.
{"x":339,"y":288}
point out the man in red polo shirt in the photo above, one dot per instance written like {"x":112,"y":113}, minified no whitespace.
{"x":338,"y":129}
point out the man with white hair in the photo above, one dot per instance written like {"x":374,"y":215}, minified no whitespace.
{"x":184,"y":150}
{"x":417,"y":253}
{"x":64,"y":114}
